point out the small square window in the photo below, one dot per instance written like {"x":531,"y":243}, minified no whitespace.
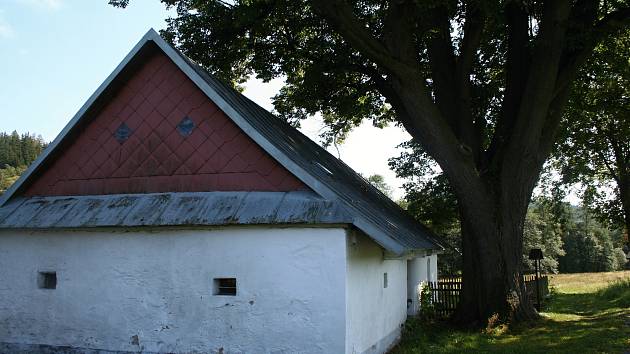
{"x":384,"y":280}
{"x":47,"y":280}
{"x":225,"y":286}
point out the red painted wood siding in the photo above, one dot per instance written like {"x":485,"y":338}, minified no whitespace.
{"x":216,"y":156}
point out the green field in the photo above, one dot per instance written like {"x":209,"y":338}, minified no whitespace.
{"x":587,"y":313}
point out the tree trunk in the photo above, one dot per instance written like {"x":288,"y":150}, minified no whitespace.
{"x":624,"y":192}
{"x":493,"y":284}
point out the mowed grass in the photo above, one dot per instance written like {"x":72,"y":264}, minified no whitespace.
{"x":587,"y":313}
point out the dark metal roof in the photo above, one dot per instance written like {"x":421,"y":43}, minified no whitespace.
{"x":365,"y":201}
{"x":370,"y":210}
{"x":171,"y":209}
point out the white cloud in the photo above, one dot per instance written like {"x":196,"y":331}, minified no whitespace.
{"x":6,"y":30}
{"x":43,"y":4}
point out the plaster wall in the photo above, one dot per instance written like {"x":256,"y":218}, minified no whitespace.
{"x":418,"y":270}
{"x":374,"y":313}
{"x":153,"y":291}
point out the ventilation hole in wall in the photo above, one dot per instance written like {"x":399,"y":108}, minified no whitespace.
{"x":47,"y":280}
{"x":225,"y":286}
{"x":122,"y":133}
{"x":185,"y":127}
{"x":384,"y":280}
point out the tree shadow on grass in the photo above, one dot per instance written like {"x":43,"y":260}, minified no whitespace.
{"x":581,"y":323}
{"x":583,"y":331}
{"x":583,"y":304}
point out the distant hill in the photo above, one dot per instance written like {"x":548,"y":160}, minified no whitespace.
{"x":16,"y":153}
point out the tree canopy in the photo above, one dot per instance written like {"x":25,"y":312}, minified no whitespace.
{"x":378,"y":181}
{"x":16,"y":153}
{"x":19,"y":150}
{"x":594,"y":145}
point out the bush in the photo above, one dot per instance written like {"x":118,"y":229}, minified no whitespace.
{"x":619,"y":259}
{"x":427,"y":309}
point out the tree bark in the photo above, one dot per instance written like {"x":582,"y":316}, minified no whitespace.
{"x":624,"y":193}
{"x":492,"y":232}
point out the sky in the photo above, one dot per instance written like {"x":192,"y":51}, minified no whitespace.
{"x":55,"y":53}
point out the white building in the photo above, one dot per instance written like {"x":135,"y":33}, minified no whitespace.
{"x":172,"y":214}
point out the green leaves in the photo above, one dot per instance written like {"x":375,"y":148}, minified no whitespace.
{"x":594,"y":148}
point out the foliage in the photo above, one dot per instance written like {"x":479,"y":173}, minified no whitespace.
{"x":590,"y":246}
{"x":541,"y":231}
{"x":619,"y":259}
{"x":586,"y":314}
{"x":427,"y":309}
{"x":431,"y":200}
{"x":596,"y":151}
{"x":8,"y":176}
{"x":19,"y":150}
{"x":378,"y":181}
{"x":554,"y":226}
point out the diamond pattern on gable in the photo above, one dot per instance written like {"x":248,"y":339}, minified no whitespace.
{"x":160,"y":133}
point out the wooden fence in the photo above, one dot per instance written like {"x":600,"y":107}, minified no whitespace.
{"x":530,"y":285}
{"x":445,"y":295}
{"x":445,"y":292}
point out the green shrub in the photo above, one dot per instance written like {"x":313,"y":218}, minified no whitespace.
{"x":427,"y":308}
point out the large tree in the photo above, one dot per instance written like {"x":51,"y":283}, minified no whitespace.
{"x":430,"y":199}
{"x":481,"y":85}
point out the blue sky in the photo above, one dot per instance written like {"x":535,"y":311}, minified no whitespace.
{"x":55,"y":53}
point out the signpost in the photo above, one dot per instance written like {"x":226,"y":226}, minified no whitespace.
{"x":535,"y":254}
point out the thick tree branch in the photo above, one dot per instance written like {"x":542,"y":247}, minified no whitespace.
{"x":517,"y":69}
{"x":451,"y":74}
{"x":442,"y":62}
{"x":538,"y":93}
{"x":409,"y":96}
{"x":339,"y":15}
{"x":522,"y":160}
{"x":611,"y":171}
{"x":574,"y":59}
{"x":619,"y":155}
{"x":398,"y":31}
{"x":473,"y":29}
{"x":552,"y":124}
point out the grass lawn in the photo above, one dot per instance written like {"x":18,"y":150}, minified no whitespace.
{"x":587,"y":313}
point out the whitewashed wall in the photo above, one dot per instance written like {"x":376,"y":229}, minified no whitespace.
{"x":374,"y":313}
{"x":418,"y":270}
{"x":114,"y":287}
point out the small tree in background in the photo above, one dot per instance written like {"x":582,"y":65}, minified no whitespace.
{"x":378,"y":181}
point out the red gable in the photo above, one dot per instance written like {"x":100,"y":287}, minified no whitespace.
{"x":160,"y":133}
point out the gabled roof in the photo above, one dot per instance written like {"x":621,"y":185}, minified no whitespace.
{"x":369,"y":209}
